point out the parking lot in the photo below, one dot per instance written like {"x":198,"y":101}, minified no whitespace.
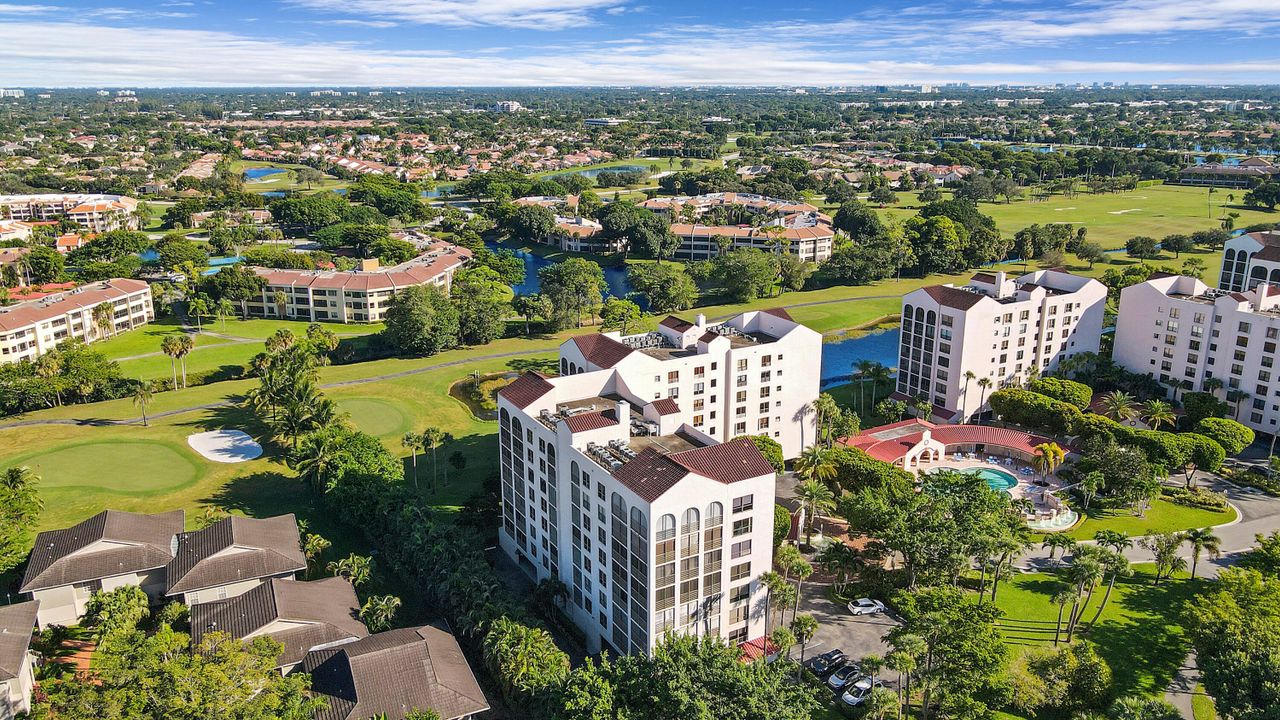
{"x":857,"y":636}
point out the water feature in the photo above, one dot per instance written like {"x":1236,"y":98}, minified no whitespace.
{"x":593,"y":172}
{"x":614,"y":277}
{"x":436,"y":191}
{"x":997,"y":480}
{"x":838,"y":357}
{"x":257,"y":173}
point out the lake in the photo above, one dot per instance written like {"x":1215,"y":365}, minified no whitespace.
{"x":838,"y":357}
{"x":257,"y":173}
{"x":593,"y":172}
{"x":615,"y":277}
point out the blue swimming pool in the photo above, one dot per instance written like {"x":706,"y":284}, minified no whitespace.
{"x":996,"y":479}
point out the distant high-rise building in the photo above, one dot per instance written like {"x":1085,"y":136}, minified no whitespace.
{"x":506,"y":106}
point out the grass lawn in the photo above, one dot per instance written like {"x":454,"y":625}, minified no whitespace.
{"x":146,"y":339}
{"x":262,"y":328}
{"x":284,"y":180}
{"x":1162,"y":516}
{"x":210,"y":354}
{"x":1202,"y":707}
{"x":1112,"y":218}
{"x":1139,"y":633}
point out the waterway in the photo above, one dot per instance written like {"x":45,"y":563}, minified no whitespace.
{"x":257,"y":173}
{"x":593,"y":172}
{"x":839,"y":356}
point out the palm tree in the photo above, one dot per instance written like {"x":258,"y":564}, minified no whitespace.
{"x":909,"y":650}
{"x":1113,"y":540}
{"x":169,"y":345}
{"x":1238,"y":397}
{"x":904,"y":665}
{"x":281,"y":302}
{"x":313,"y":546}
{"x":1157,"y":413}
{"x":1114,"y":565}
{"x":1119,"y":406}
{"x":412,"y":441}
{"x":315,"y":455}
{"x":841,"y":562}
{"x":48,"y":367}
{"x":1083,"y":574}
{"x":771,"y":581}
{"x":1047,"y":458}
{"x":1212,"y":385}
{"x":815,"y":463}
{"x":801,"y":570}
{"x":879,"y":702}
{"x":223,"y":310}
{"x":1202,"y":540}
{"x":983,"y":384}
{"x":968,"y":378}
{"x":186,"y":344}
{"x":861,"y":372}
{"x":816,"y":498}
{"x":432,"y":438}
{"x":1012,"y":543}
{"x":1058,"y":541}
{"x":378,"y":611}
{"x":197,"y":308}
{"x":1061,"y":599}
{"x":804,"y":627}
{"x":142,"y":398}
{"x":353,"y":568}
{"x":104,"y":318}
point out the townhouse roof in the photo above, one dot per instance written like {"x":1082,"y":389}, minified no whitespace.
{"x":314,"y":613}
{"x":423,"y":269}
{"x":393,"y":673}
{"x":601,"y":350}
{"x":953,"y":297}
{"x":526,"y":389}
{"x":650,"y":474}
{"x":16,"y":624}
{"x":666,"y":406}
{"x":779,"y":312}
{"x":88,"y":296}
{"x":125,"y":543}
{"x":235,"y":549}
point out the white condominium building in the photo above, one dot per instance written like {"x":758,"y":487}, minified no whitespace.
{"x":805,"y":231}
{"x":653,"y":526}
{"x":997,"y":328}
{"x":354,"y":296}
{"x":754,"y":374}
{"x":1180,"y":331}
{"x":33,"y":328}
{"x":1250,"y":259}
{"x":97,"y":213}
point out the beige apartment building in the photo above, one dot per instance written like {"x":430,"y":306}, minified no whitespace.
{"x":33,"y":328}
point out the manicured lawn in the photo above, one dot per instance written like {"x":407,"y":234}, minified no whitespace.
{"x":1112,"y":218}
{"x":262,"y":328}
{"x":1162,"y":516}
{"x":1202,"y":706}
{"x":209,"y":354}
{"x":1139,"y":633}
{"x":146,"y":339}
{"x":376,"y":417}
{"x":282,"y":181}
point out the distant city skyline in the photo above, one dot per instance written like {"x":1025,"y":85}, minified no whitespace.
{"x":298,"y":43}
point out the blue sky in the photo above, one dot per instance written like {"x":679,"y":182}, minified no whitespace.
{"x":60,"y":43}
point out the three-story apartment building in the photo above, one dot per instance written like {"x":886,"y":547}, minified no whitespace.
{"x":33,"y":328}
{"x":98,"y":213}
{"x":998,"y":328}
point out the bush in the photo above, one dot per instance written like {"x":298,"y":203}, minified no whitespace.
{"x":1197,"y":498}
{"x":1068,"y":391}
{"x":485,"y":392}
{"x":1231,"y":435}
{"x":1036,"y":411}
{"x":770,"y":448}
{"x":781,"y":524}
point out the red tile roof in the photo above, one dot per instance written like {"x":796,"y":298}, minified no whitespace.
{"x":601,"y":350}
{"x":524,"y":390}
{"x":778,"y":312}
{"x":729,"y":462}
{"x":891,"y":442}
{"x":953,"y":297}
{"x":666,"y":406}
{"x":591,"y":421}
{"x":650,"y":474}
{"x":761,"y":647}
{"x":675,"y":323}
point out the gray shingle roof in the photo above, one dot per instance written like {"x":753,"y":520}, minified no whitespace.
{"x":16,"y":623}
{"x":262,"y":548}
{"x":130,"y":543}
{"x":393,"y":673}
{"x":313,"y":613}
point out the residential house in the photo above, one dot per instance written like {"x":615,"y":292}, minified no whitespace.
{"x":233,"y":556}
{"x":17,"y":674}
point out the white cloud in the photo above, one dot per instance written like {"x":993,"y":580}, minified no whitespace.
{"x":528,"y":14}
{"x":157,"y":57}
{"x":358,"y":23}
{"x":10,"y":9}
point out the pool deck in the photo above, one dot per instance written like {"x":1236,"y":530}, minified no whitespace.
{"x":1025,"y":489}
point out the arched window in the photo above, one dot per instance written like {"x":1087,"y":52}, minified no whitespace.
{"x":504,"y":418}
{"x":619,"y":506}
{"x":666,"y":527}
{"x":1275,"y":276}
{"x":689,"y":521}
{"x":575,"y":473}
{"x":715,"y":514}
{"x":564,"y":366}
{"x":639,"y":523}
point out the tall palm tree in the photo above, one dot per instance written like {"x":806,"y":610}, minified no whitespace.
{"x":315,"y":455}
{"x":223,"y":310}
{"x":804,"y":627}
{"x":1114,"y":565}
{"x":104,"y":318}
{"x":968,"y":378}
{"x":983,"y":384}
{"x":412,"y":441}
{"x":281,"y":301}
{"x":1202,"y":540}
{"x":169,"y":345}
{"x":861,"y":372}
{"x":1212,"y":385}
{"x":378,"y":611}
{"x":186,"y":344}
{"x":1083,"y":574}
{"x":48,"y":368}
{"x":801,"y":570}
{"x":1062,"y":598}
{"x":142,"y":398}
{"x":816,"y":498}
{"x":771,"y":582}
{"x":1119,"y":406}
{"x":432,"y":438}
{"x":1157,"y":413}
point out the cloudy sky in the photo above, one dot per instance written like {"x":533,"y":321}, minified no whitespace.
{"x":57,"y":43}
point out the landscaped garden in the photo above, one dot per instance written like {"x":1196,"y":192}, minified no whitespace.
{"x":1162,"y":516}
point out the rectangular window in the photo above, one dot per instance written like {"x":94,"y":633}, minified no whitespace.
{"x":739,"y":572}
{"x":741,"y":527}
{"x":742,"y":365}
{"x":673,"y":376}
{"x":740,"y":549}
{"x":744,"y":503}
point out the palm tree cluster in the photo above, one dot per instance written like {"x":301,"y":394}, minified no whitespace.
{"x":1090,"y":566}
{"x":868,"y":371}
{"x":288,"y":396}
{"x":177,"y":346}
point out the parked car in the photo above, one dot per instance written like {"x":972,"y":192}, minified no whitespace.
{"x":866,"y":606}
{"x":829,"y":661}
{"x":843,"y":676}
{"x":858,"y":691}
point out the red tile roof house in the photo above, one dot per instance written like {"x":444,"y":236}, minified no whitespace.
{"x":914,"y":443}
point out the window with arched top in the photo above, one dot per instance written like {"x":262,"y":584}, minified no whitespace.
{"x":619,"y":506}
{"x":639,"y":523}
{"x":715,"y":514}
{"x":690,"y":520}
{"x":504,"y":418}
{"x":666,"y":527}
{"x":1275,"y":276}
{"x":564,"y":366}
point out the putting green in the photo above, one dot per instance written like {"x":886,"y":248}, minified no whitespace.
{"x":375,"y":416}
{"x":128,"y":467}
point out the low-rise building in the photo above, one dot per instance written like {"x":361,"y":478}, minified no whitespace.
{"x":797,"y":227}
{"x":109,"y":550}
{"x":1182,"y":332}
{"x":301,"y":616}
{"x":394,"y":673}
{"x":960,"y":344}
{"x":33,"y":328}
{"x":96,"y":212}
{"x":232,"y":557}
{"x":353,"y":296}
{"x":17,"y":671}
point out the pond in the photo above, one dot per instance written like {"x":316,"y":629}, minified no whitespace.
{"x":593,"y":172}
{"x":838,"y":357}
{"x":615,"y":277}
{"x":257,"y":173}
{"x":284,"y":193}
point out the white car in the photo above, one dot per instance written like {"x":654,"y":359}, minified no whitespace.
{"x":858,"y":692}
{"x":866,"y":606}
